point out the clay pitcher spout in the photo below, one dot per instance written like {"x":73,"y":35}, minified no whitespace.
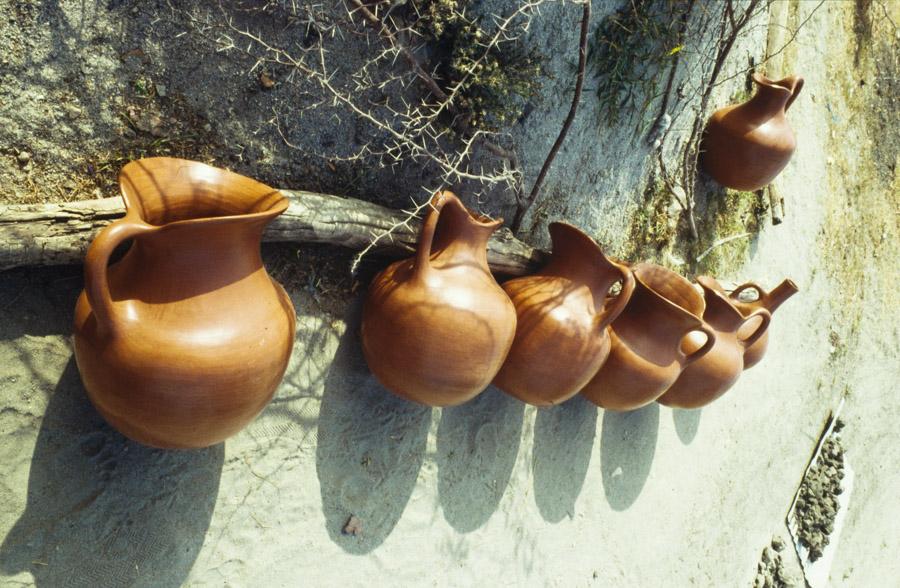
{"x":770,"y":301}
{"x":774,"y":97}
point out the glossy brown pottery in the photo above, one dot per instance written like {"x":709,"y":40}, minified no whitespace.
{"x":713,"y":374}
{"x":646,"y":355}
{"x":746,"y":145}
{"x":437,"y":327}
{"x":767,"y":300}
{"x":563,"y":316}
{"x":182,"y":342}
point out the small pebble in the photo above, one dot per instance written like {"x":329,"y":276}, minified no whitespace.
{"x":353,"y":526}
{"x":266,"y":80}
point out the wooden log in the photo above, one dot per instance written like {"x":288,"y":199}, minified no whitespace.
{"x":53,"y":234}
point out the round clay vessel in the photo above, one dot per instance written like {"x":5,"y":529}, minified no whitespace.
{"x":563,"y":314}
{"x":646,"y":354}
{"x":746,"y":145}
{"x":767,"y":300}
{"x":713,"y":374}
{"x":183,"y":342}
{"x":437,"y":327}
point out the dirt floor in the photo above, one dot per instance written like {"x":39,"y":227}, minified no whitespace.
{"x":491,"y":492}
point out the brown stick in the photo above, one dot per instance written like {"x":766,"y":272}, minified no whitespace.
{"x":53,"y":234}
{"x":524,"y":206}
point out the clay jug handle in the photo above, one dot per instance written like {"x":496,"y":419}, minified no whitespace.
{"x":426,"y":237}
{"x":766,"y":317}
{"x":615,"y":308}
{"x":96,"y":286}
{"x":795,"y":91}
{"x":689,"y":358}
{"x":748,"y":286}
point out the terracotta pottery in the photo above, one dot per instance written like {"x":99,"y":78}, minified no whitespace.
{"x":437,"y":327}
{"x":563,"y":313}
{"x":182,"y":342}
{"x":746,"y":145}
{"x":713,"y":374}
{"x":646,"y":354}
{"x":767,"y":300}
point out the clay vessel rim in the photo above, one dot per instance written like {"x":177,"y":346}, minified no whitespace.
{"x":581,"y":236}
{"x":133,"y":202}
{"x":781,"y":84}
{"x":680,"y":279}
{"x":445,"y":197}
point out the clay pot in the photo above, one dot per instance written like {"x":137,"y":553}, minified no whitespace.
{"x":437,"y":327}
{"x":563,"y":314}
{"x":182,"y":342}
{"x":767,"y":300}
{"x":646,"y":355}
{"x":713,"y":374}
{"x":746,"y":145}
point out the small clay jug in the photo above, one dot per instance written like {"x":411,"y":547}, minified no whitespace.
{"x":183,"y":342}
{"x":437,"y":327}
{"x":767,"y":300}
{"x":713,"y":374}
{"x":646,"y":354}
{"x":746,"y":145}
{"x":563,"y":314}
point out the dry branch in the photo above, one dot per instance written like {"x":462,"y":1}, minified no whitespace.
{"x":52,"y":234}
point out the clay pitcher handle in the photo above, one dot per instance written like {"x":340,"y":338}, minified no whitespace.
{"x":766,"y":317}
{"x":795,"y":91}
{"x":96,"y":286}
{"x":689,"y":358}
{"x":748,"y":286}
{"x":426,"y":238}
{"x":614,"y":309}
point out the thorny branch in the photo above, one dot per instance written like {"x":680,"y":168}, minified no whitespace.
{"x":523,"y":203}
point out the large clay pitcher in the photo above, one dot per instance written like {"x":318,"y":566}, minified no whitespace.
{"x":437,"y":327}
{"x":646,"y":354}
{"x":767,"y":300}
{"x":746,"y":145}
{"x":563,"y":314}
{"x":713,"y":374}
{"x":182,"y":342}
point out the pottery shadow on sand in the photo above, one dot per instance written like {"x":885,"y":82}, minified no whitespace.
{"x":627,"y":447}
{"x":477,"y":445}
{"x":563,"y":443}
{"x":687,"y":421}
{"x":371,"y":445}
{"x":105,"y":511}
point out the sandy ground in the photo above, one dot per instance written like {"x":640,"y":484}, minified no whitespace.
{"x":495,"y":492}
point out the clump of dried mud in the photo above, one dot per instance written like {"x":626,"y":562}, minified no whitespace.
{"x":817,"y":503}
{"x":770,"y":571}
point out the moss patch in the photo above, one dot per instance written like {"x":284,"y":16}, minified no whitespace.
{"x":659,"y":231}
{"x":653,"y":229}
{"x":726,"y":213}
{"x":494,"y":85}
